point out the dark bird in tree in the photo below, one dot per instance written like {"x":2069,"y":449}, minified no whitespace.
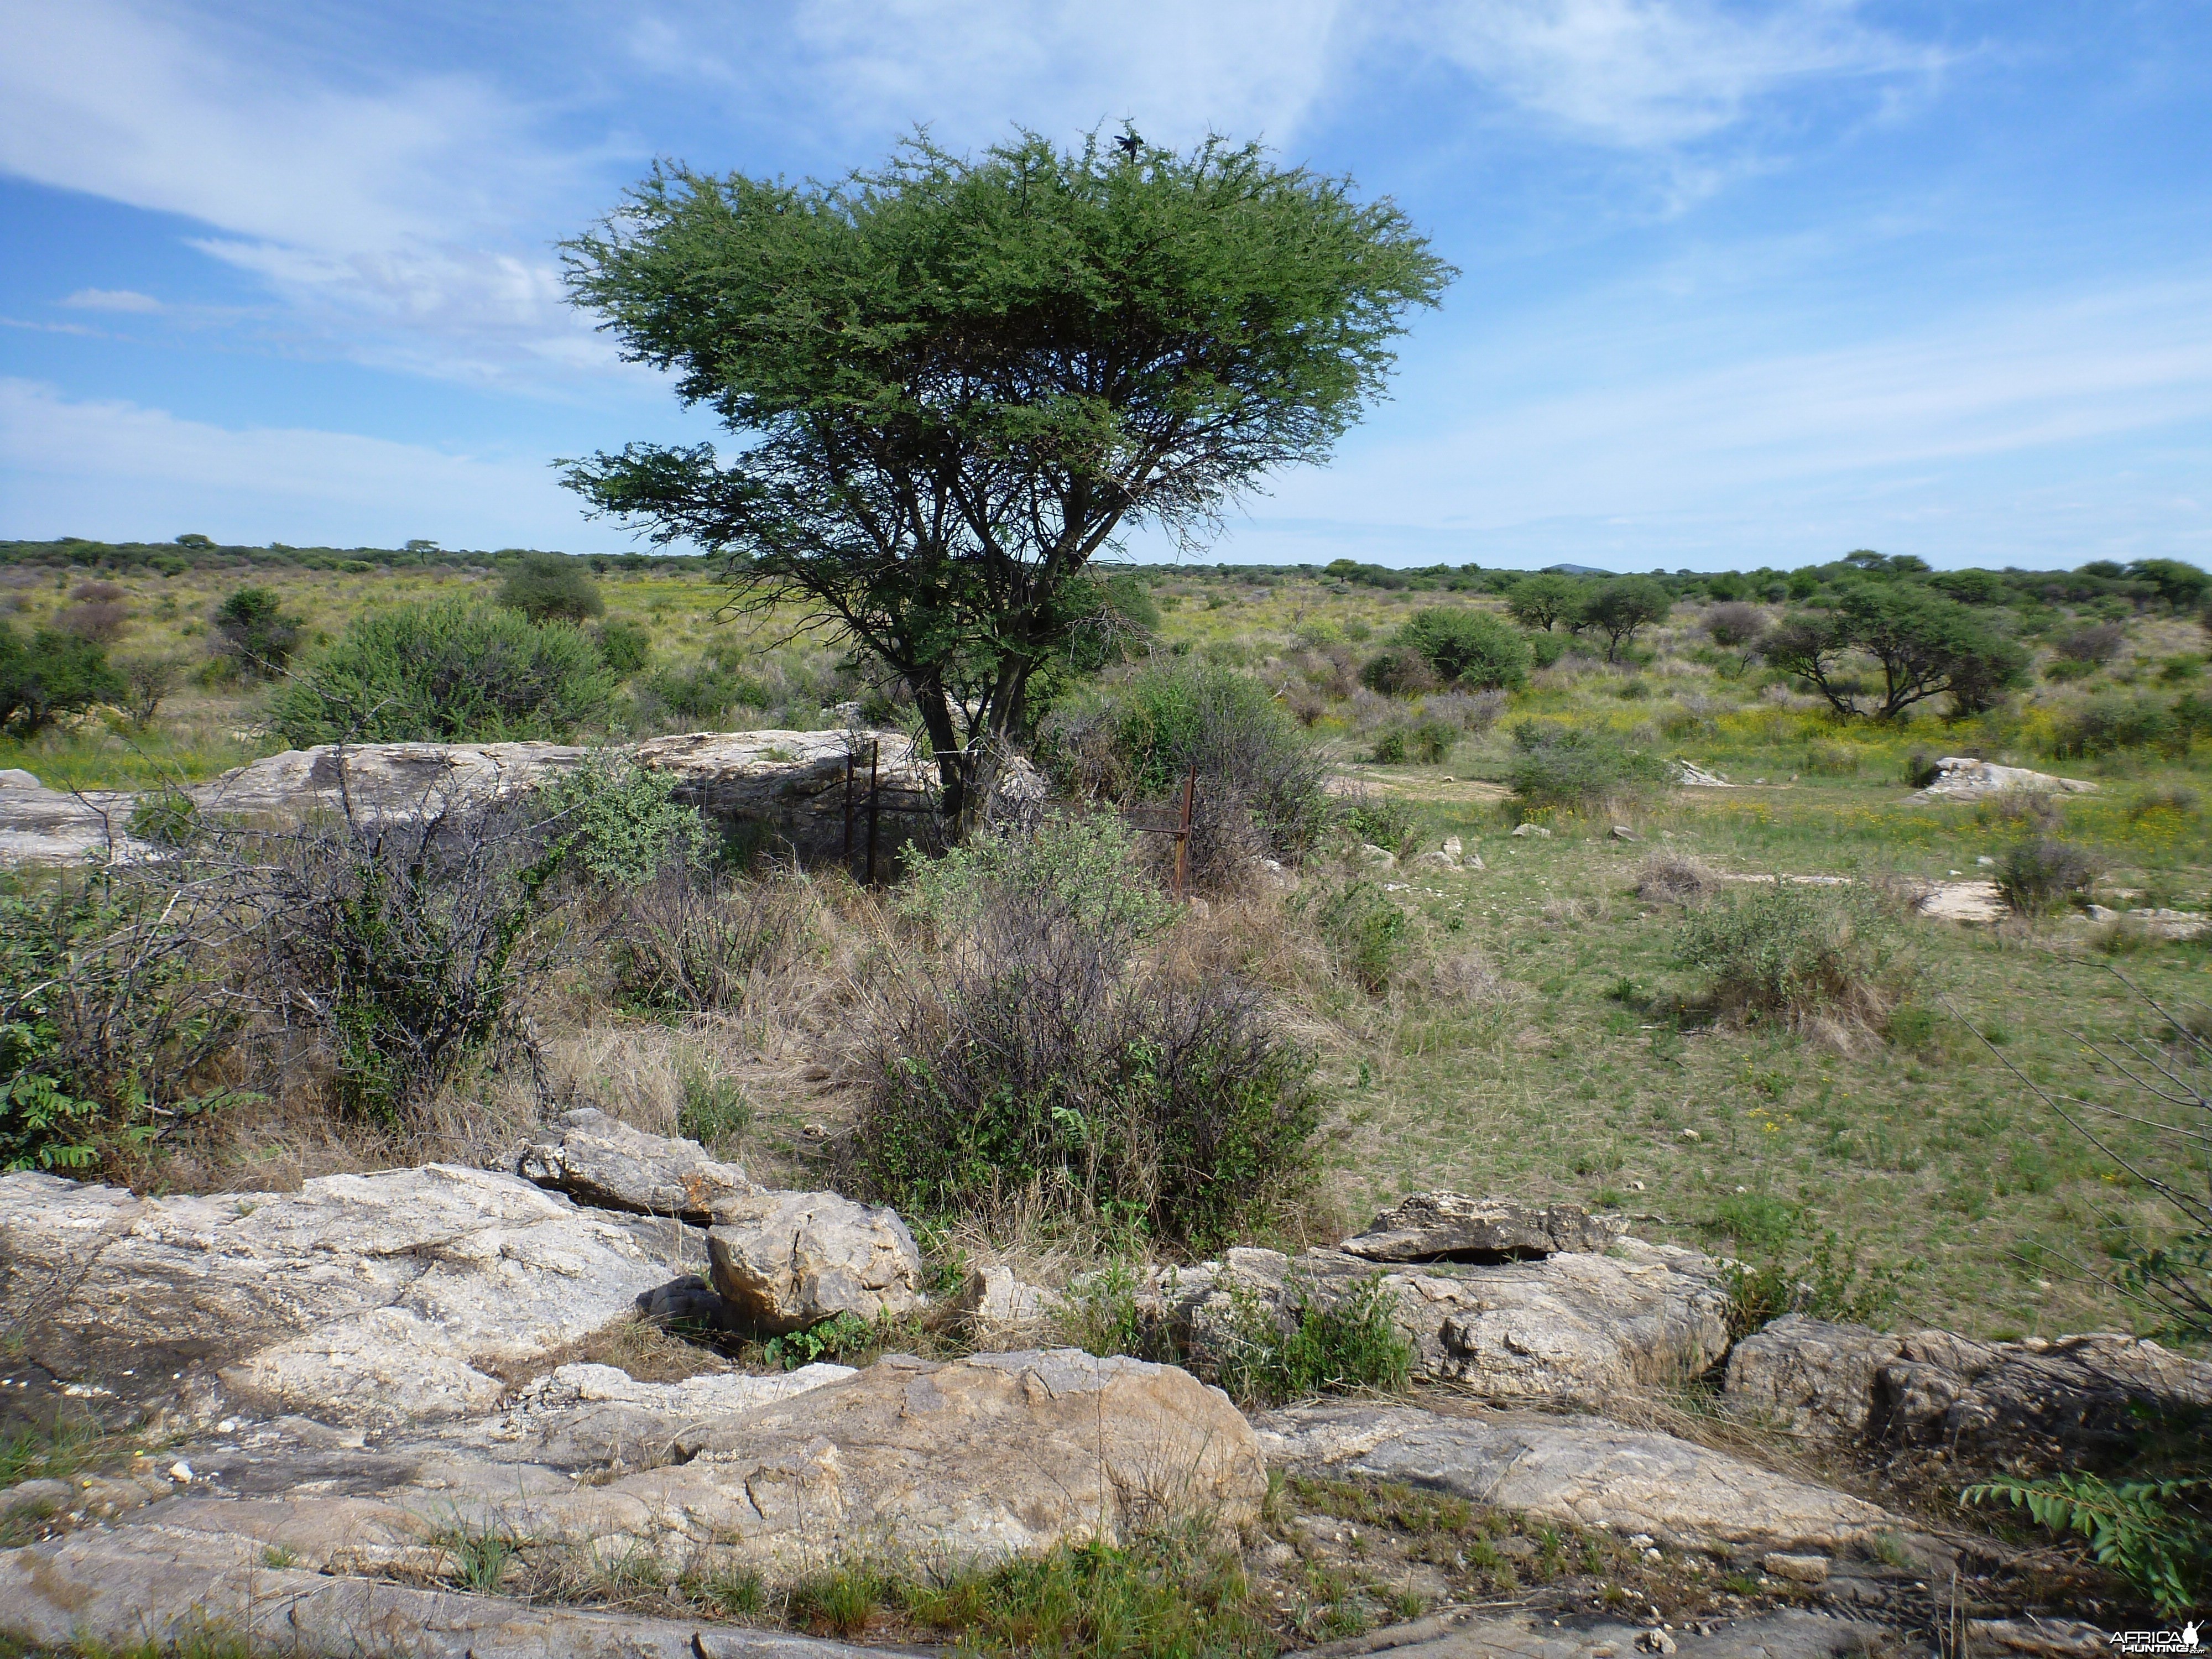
{"x":1129,"y":144}
{"x":958,"y":379}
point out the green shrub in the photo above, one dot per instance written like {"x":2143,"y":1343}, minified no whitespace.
{"x":50,"y":675}
{"x":1400,"y":671}
{"x":1040,"y":1060}
{"x":1262,"y":786}
{"x":1546,"y":650}
{"x":1381,"y":821}
{"x":1797,"y":954}
{"x":1828,"y":1282}
{"x":702,"y":689}
{"x":1473,"y":648}
{"x":2109,"y":724}
{"x":625,"y":647}
{"x":2155,"y":1534}
{"x":1581,"y":770}
{"x":254,"y":633}
{"x":2042,"y":873}
{"x":1921,"y":770}
{"x":551,"y":587}
{"x":446,"y":672}
{"x":1390,"y":746}
{"x":1314,"y":1345}
{"x":1082,"y":864}
{"x":1368,"y":930}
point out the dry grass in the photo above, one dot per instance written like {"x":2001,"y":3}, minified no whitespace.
{"x":1671,"y":877}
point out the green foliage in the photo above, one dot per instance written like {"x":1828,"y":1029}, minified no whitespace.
{"x":2157,"y":1535}
{"x":110,"y":1017}
{"x":713,"y":1111}
{"x":1622,"y":608}
{"x":1580,"y":769}
{"x":2106,"y":725}
{"x":1080,"y":864}
{"x":549,"y":587}
{"x":1179,"y":1594}
{"x":1473,"y":648}
{"x":1797,"y":954}
{"x":1381,"y":821}
{"x":2042,"y":873}
{"x":703,"y":689}
{"x":1040,"y":1055}
{"x":1542,"y":600}
{"x":446,"y":672}
{"x":625,"y":647}
{"x":1922,"y":644}
{"x":165,"y":817}
{"x":619,"y":823}
{"x":1058,"y":346}
{"x":1825,"y":1282}
{"x":50,"y":675}
{"x":1314,"y":1344}
{"x":841,"y":1337}
{"x":1368,"y":929}
{"x":1400,"y":671}
{"x":254,"y":632}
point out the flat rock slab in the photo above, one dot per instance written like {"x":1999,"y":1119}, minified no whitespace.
{"x":1454,"y":1227}
{"x":158,"y":1586}
{"x":605,"y":1161}
{"x":2051,"y":1400}
{"x":373,"y":1298}
{"x":1974,"y":901}
{"x":1785,"y":1633}
{"x":1576,"y":1327}
{"x":991,"y":1456}
{"x":1583,"y":1470}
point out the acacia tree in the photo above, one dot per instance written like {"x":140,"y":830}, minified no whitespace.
{"x":959,"y":379}
{"x":1621,"y":608}
{"x":1924,"y":644}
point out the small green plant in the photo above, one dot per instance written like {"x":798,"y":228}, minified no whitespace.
{"x":714,"y":1111}
{"x":2042,"y":873}
{"x":731,"y":1592}
{"x":167,"y":818}
{"x":2157,"y":1535}
{"x":842,"y":1601}
{"x":1579,"y":770}
{"x":1827,"y":1283}
{"x":1368,"y":928}
{"x":844,"y":1336}
{"x":1316,"y":1345}
{"x":476,"y":1555}
{"x":1382,"y":820}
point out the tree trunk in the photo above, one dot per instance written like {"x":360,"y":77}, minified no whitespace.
{"x":951,"y":775}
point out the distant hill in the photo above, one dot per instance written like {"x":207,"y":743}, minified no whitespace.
{"x":1574,"y":570}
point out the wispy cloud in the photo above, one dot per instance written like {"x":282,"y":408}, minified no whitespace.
{"x":111,"y":299}
{"x":1649,"y":73}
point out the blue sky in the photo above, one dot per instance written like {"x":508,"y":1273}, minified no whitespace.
{"x":1742,"y":284}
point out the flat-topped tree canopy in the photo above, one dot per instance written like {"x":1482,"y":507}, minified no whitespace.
{"x":959,"y":378}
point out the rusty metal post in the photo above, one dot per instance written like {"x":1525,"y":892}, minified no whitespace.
{"x":1182,"y":833}
{"x":873,"y":750}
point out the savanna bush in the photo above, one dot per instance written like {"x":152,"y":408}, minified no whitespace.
{"x":1039,"y":1053}
{"x":1261,"y":783}
{"x":1800,"y":955}
{"x":551,"y":587}
{"x":2042,"y":873}
{"x":1579,"y":769}
{"x":446,"y":672}
{"x":49,"y":675}
{"x":1473,"y":649}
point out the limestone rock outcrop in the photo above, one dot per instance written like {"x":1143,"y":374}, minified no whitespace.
{"x":1453,"y":1227}
{"x":1959,"y":777}
{"x":2048,"y":1400}
{"x":374,"y":1299}
{"x":39,"y":825}
{"x":1583,"y":1470}
{"x":783,"y":1260}
{"x":603,"y":1161}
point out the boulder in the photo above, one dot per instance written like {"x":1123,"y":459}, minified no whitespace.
{"x":987,"y":1457}
{"x":2049,"y":1401}
{"x":1453,"y":1227}
{"x":791,"y":783}
{"x":374,"y":1299}
{"x":995,"y":1301}
{"x":1587,"y":1472}
{"x":1572,"y":1329}
{"x":604,"y":1161}
{"x":1691,"y":775}
{"x":51,"y":826}
{"x":1959,"y":777}
{"x":1976,"y":902}
{"x":783,"y":1260}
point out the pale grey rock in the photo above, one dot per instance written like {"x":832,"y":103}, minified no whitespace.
{"x":2162,"y":923}
{"x":1783,"y":1633}
{"x":51,"y":826}
{"x":1454,"y":1227}
{"x":601,"y":1160}
{"x":1691,"y":775}
{"x":993,"y":1456}
{"x":783,"y":1260}
{"x":1573,"y":1328}
{"x":1583,"y":1470}
{"x":1522,"y":831}
{"x":1959,"y":777}
{"x":2038,"y":1639}
{"x":1973,"y":901}
{"x":131,"y":1586}
{"x":2051,"y":1401}
{"x":1797,"y":1569}
{"x":359,"y":1298}
{"x":997,"y":1303}
{"x":1377,"y":858}
{"x":14,"y":777}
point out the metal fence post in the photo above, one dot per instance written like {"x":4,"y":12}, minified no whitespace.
{"x":873,"y":751}
{"x":1183,"y":834}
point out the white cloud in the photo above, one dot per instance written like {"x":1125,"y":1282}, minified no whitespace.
{"x":111,"y":299}
{"x":1643,"y":73}
{"x":108,"y":468}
